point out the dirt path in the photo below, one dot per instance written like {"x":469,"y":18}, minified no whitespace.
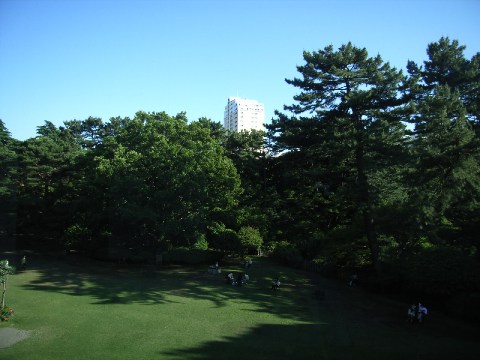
{"x":10,"y":336}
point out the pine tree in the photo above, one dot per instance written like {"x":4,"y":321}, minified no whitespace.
{"x":347,"y":125}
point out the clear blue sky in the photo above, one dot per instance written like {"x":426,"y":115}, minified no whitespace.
{"x":71,"y":59}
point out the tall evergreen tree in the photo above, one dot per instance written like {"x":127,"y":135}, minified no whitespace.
{"x":46,"y":185}
{"x":8,"y":186}
{"x":247,"y":152}
{"x":448,"y":66}
{"x":447,"y":144}
{"x":347,"y":130}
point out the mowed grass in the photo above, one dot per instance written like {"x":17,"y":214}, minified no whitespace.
{"x":79,"y":309}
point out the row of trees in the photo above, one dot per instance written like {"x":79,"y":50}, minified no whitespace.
{"x":369,"y":166}
{"x":382,"y":168}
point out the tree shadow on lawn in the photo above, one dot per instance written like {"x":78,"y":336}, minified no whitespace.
{"x":327,"y":341}
{"x":111,"y":284}
{"x":340,"y":322}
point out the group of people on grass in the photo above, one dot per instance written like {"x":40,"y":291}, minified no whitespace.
{"x":241,"y":279}
{"x":416,"y":313}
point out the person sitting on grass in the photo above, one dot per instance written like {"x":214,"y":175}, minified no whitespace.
{"x":231,"y":279}
{"x":276,"y":284}
{"x":353,"y":280}
{"x":242,"y":279}
{"x":422,"y":312}
{"x":411,"y":314}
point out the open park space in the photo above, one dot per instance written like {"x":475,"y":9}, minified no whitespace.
{"x":71,"y":308}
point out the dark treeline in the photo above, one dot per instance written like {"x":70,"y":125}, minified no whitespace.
{"x":370,"y":169}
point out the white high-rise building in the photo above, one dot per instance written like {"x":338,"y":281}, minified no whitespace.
{"x":243,"y":114}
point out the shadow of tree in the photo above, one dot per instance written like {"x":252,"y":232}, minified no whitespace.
{"x":262,"y":342}
{"x":334,"y":321}
{"x":110,"y":284}
{"x":329,"y":342}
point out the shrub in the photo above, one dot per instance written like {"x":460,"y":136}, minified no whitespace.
{"x":284,"y":252}
{"x":76,"y":235}
{"x":6,"y":313}
{"x":223,"y":238}
{"x":250,"y":239}
{"x":201,"y":242}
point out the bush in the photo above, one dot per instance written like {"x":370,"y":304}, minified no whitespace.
{"x":285,"y":252}
{"x":250,"y":239}
{"x":6,"y":313}
{"x":223,"y":238}
{"x":201,"y":242}
{"x":76,"y":235}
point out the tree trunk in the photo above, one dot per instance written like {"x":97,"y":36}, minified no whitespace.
{"x":364,"y":199}
{"x":3,"y":293}
{"x":372,"y":239}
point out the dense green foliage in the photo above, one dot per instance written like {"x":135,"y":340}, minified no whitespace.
{"x":380,"y":168}
{"x":250,"y":240}
{"x":153,"y":183}
{"x":368,"y":168}
{"x":346,"y":135}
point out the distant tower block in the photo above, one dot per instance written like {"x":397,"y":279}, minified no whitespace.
{"x":244,"y":114}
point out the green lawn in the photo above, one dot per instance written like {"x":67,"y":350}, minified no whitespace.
{"x":90,"y":310}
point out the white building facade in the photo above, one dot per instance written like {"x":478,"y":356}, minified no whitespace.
{"x":244,"y":114}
